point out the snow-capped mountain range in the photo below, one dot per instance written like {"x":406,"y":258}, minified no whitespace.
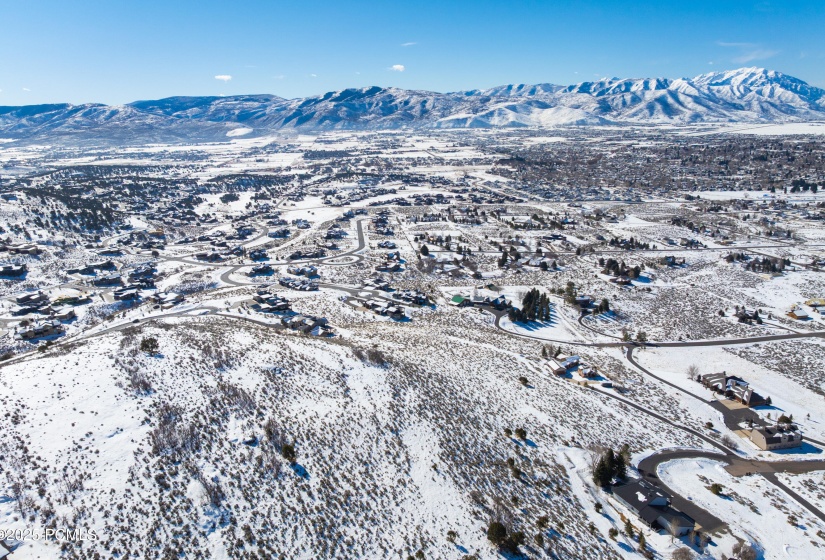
{"x":744,"y":95}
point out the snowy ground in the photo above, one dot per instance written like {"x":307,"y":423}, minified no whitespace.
{"x":753,"y":505}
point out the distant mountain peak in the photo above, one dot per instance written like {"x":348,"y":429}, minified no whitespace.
{"x":750,"y":94}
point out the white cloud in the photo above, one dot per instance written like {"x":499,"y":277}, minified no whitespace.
{"x":279,"y":77}
{"x":26,"y":89}
{"x":748,"y":52}
{"x":758,"y":54}
{"x":397,"y":68}
{"x":313,"y":75}
{"x":223,"y":77}
{"x":411,"y":43}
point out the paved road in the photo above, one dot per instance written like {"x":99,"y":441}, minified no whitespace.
{"x":771,"y":477}
{"x":591,"y":329}
{"x":733,"y":418}
{"x":647,"y":468}
{"x":708,"y":521}
{"x":680,"y":344}
{"x":737,"y":466}
{"x":736,"y":341}
{"x":632,"y":360}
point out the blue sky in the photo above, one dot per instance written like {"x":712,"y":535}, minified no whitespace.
{"x":118,"y":51}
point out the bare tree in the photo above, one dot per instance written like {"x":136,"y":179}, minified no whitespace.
{"x":692,"y":371}
{"x":744,"y":551}
{"x":18,"y":496}
{"x":594,"y":455}
{"x":729,"y":442}
{"x":683,"y":553}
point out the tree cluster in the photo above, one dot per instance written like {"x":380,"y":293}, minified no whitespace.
{"x":611,"y":465}
{"x":801,"y":185}
{"x":535,"y":306}
{"x":768,"y":264}
{"x":736,"y":257}
{"x":506,"y":541}
{"x":619,"y":268}
{"x":628,"y":244}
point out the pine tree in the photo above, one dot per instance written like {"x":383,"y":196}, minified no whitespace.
{"x":621,"y":466}
{"x":601,"y":474}
{"x":610,"y":463}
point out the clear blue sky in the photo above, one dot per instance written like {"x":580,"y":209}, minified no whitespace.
{"x":117,"y":51}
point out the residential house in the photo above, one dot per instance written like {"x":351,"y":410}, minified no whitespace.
{"x":653,"y":506}
{"x":798,"y":313}
{"x":460,"y":301}
{"x":126,"y":294}
{"x":25,"y":249}
{"x":64,"y":314}
{"x":261,"y":270}
{"x":733,"y":387}
{"x":39,"y":330}
{"x":309,"y":271}
{"x":13,"y":270}
{"x":316,"y":326}
{"x":412,"y":296}
{"x":740,"y":391}
{"x":560,"y":365}
{"x":257,"y":255}
{"x":771,"y":438}
{"x":714,"y":381}
{"x":212,"y":256}
{"x":167,"y":299}
{"x":29,"y":299}
{"x":107,"y":280}
{"x":584,"y":301}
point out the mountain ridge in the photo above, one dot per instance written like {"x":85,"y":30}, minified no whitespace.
{"x":744,"y":95}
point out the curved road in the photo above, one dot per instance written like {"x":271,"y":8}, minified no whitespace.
{"x":648,"y":466}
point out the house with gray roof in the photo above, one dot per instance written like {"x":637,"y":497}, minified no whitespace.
{"x":652,"y":506}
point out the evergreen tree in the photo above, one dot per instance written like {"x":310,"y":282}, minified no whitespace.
{"x":601,"y":474}
{"x":610,"y":462}
{"x":621,"y":466}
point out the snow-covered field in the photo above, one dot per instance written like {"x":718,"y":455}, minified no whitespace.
{"x":397,"y":437}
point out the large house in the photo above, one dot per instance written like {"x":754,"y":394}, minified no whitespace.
{"x":39,"y":330}
{"x":733,"y":387}
{"x":653,"y":507}
{"x":560,"y":364}
{"x":770,"y":438}
{"x":798,"y":313}
{"x":13,"y":270}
